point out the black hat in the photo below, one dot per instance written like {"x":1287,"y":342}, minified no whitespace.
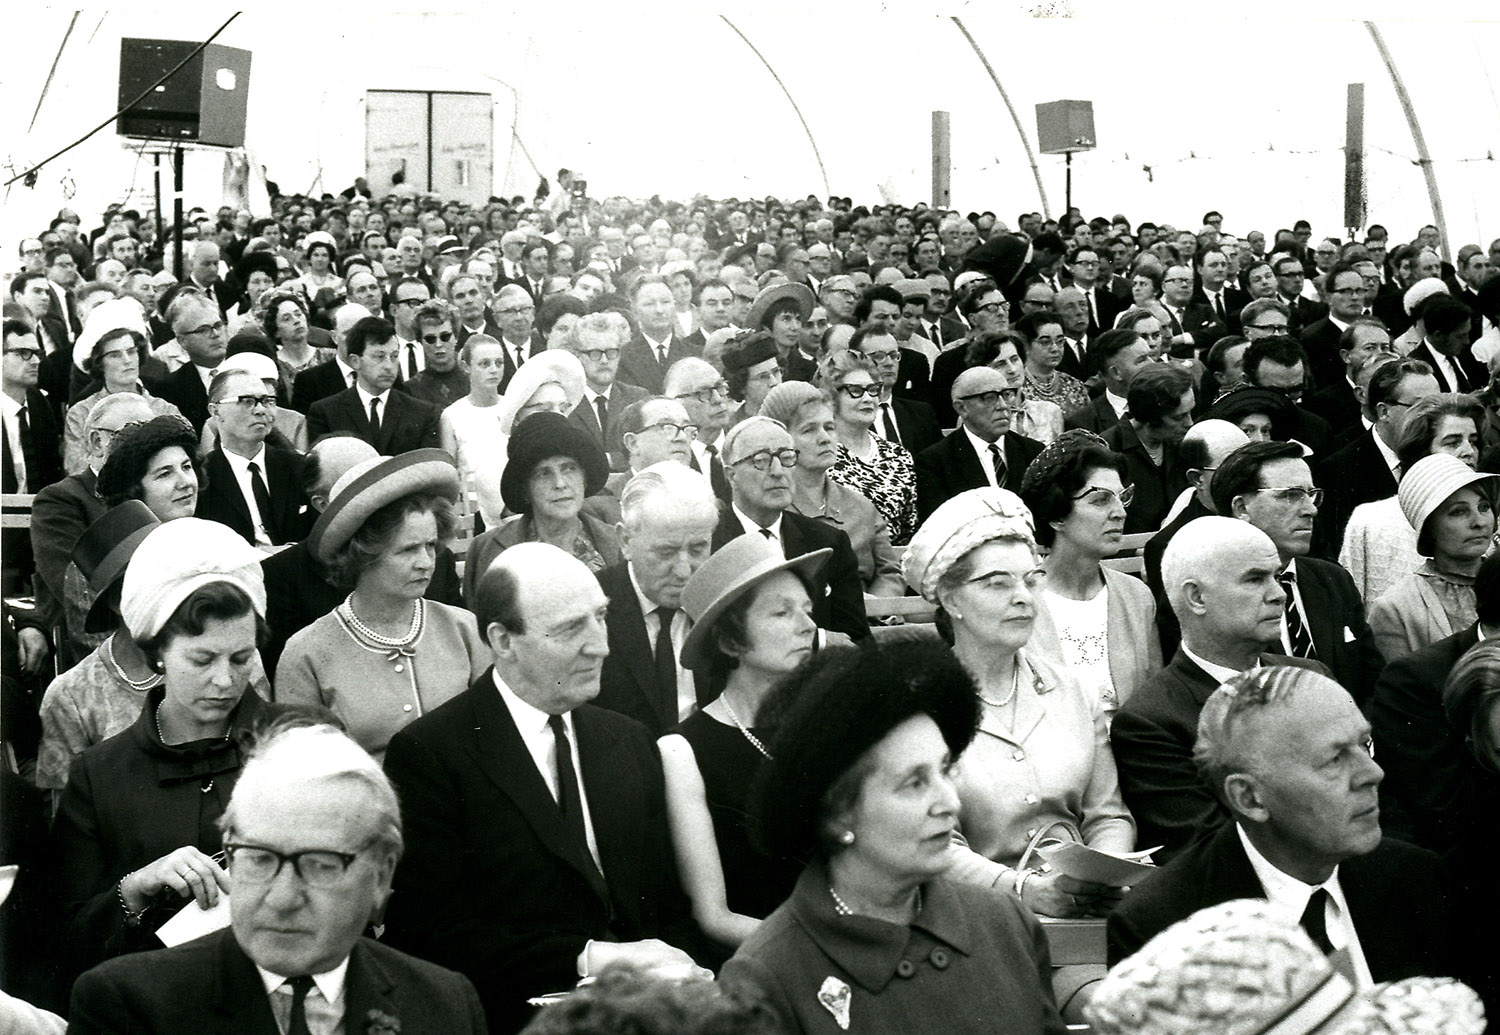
{"x":134,"y":446}
{"x":834,"y":709}
{"x":250,"y":262}
{"x":102,"y":553}
{"x":543,"y":435}
{"x":1001,"y":258}
{"x":1242,"y":400}
{"x":744,"y":352}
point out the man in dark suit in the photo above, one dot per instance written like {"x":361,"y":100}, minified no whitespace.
{"x":1270,"y":485}
{"x":1278,"y":363}
{"x":199,"y":327}
{"x":915,"y":425}
{"x":668,"y":515}
{"x":1346,"y":302}
{"x":537,"y":848}
{"x":470,"y":299}
{"x":1337,"y":402}
{"x":1290,"y":756}
{"x":1160,"y":410}
{"x":515,"y":312}
{"x":645,"y":358}
{"x":330,"y":378}
{"x":1445,"y":347}
{"x":605,"y":398}
{"x":758,"y":456}
{"x":704,"y":394}
{"x":32,"y":441}
{"x":1103,"y":305}
{"x":1221,"y":583}
{"x":313,"y":835}
{"x":1366,"y":469}
{"x":392,"y":422}
{"x":713,"y":301}
{"x":1290,"y":279}
{"x":255,"y":490}
{"x":982,"y":450}
{"x":1078,"y":344}
{"x":1216,"y":292}
{"x":1118,"y":356}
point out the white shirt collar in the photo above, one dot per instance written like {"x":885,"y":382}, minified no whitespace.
{"x":591,"y":395}
{"x":8,"y":406}
{"x":1386,"y":452}
{"x":530,"y":720}
{"x":241,"y":464}
{"x":658,"y":346}
{"x":751,"y":528}
{"x":365,"y":397}
{"x":983,"y":449}
{"x":1117,"y":402}
{"x":1218,"y":672}
{"x":330,"y":983}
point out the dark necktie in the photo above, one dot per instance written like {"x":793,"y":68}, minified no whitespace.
{"x":300,"y":986}
{"x":411,"y":360}
{"x":892,"y":433}
{"x":997,"y":460}
{"x":28,"y":450}
{"x":1296,"y":629}
{"x":353,"y":377}
{"x":601,"y":407}
{"x":570,"y":803}
{"x":262,"y":499}
{"x":1219,"y":307}
{"x":374,"y":417}
{"x":770,"y":536}
{"x":666,"y":661}
{"x":1315,"y":920}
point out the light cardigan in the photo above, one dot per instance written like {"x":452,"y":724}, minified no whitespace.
{"x":1380,"y":548}
{"x":1130,"y":632}
{"x":1421,"y":609}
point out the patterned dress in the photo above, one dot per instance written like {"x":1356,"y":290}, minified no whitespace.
{"x":888,"y":479}
{"x":1066,"y":391}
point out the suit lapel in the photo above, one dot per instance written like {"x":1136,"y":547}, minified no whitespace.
{"x":970,"y":473}
{"x":369,"y":990}
{"x":222,"y":482}
{"x":238,"y":993}
{"x":1318,"y":611}
{"x":635,"y":645}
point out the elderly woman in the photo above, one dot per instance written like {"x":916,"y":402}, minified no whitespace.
{"x":1044,"y":353}
{"x":135,"y":833}
{"x":1452,"y":509}
{"x":155,"y":462}
{"x":808,"y":414}
{"x":1145,"y":285}
{"x":1380,"y":545}
{"x":1097,"y":621}
{"x":752,"y":367}
{"x":385,"y":656}
{"x":1263,"y":414}
{"x":876,"y":937}
{"x":108,"y":350}
{"x":556,"y":317}
{"x":752,"y":627}
{"x":553,"y":466}
{"x":286,"y":325}
{"x":880,"y":470}
{"x":1041,"y":767}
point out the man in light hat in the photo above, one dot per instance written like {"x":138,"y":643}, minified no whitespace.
{"x":982,"y":451}
{"x":1289,"y":756}
{"x":537,"y":844}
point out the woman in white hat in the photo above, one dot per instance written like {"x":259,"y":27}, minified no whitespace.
{"x":1040,"y":767}
{"x":109,"y":350}
{"x":1452,"y":510}
{"x":385,"y":655}
{"x":136,"y":830}
{"x":318,"y":273}
{"x":752,"y":627}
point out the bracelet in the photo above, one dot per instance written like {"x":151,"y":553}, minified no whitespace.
{"x":132,"y":919}
{"x":1021,"y":880}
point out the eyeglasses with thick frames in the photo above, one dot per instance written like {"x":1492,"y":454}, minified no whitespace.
{"x":600,"y":355}
{"x":316,"y":867}
{"x":860,"y":391}
{"x":707,"y":395}
{"x":217,"y":327}
{"x":433,"y":339}
{"x":672,"y":428}
{"x":990,"y":398}
{"x":763,"y":460}
{"x":1294,"y":494}
{"x":250,"y":402}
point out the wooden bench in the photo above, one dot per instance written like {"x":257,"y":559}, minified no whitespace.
{"x":15,"y":509}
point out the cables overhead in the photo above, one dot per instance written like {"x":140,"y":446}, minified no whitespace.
{"x":31,"y":172}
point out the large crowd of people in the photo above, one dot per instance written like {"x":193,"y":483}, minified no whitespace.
{"x":585,"y":615}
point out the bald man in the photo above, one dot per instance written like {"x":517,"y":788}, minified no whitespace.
{"x":1203,"y":448}
{"x":537,"y":848}
{"x":983,"y":450}
{"x":298,"y":590}
{"x":1220,"y":579}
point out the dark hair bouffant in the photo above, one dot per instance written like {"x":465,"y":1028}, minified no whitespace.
{"x":131,"y":453}
{"x":1057,"y":475}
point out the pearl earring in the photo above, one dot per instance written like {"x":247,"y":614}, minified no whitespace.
{"x":957,"y":617}
{"x":846,"y":838}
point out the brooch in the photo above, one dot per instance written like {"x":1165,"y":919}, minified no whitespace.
{"x":835,"y":996}
{"x":378,"y":1022}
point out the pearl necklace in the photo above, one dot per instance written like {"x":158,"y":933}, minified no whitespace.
{"x":751,"y":737}
{"x":139,"y":685}
{"x":395,"y":649}
{"x":205,"y":788}
{"x":1015,"y":685}
{"x":842,"y":908}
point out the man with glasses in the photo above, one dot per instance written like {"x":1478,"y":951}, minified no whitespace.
{"x":62,"y":278}
{"x":198,"y":327}
{"x":704,"y":394}
{"x":407,"y":297}
{"x":515,"y":312}
{"x":1346,"y":303}
{"x":595,"y":340}
{"x":1270,"y":485}
{"x":1103,"y":305}
{"x":983,"y":451}
{"x":441,"y":381}
{"x":313,"y":834}
{"x":392,"y":422}
{"x":1278,"y":363}
{"x":1291,"y":288}
{"x":758,"y":460}
{"x":839,"y":296}
{"x":253,"y":489}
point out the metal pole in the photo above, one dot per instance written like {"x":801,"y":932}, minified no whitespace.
{"x":827,"y":190}
{"x":177,"y":188}
{"x":942,"y":161}
{"x":156,"y":177}
{"x":1036,"y":172}
{"x":1068,"y":165}
{"x":1423,"y":158}
{"x":1354,"y":160}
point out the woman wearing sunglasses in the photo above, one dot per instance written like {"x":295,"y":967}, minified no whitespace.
{"x":879,"y":469}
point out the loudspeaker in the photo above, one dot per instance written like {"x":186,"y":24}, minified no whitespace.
{"x":1064,"y":126}
{"x":203,"y":103}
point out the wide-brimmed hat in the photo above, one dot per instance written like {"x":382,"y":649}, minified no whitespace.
{"x":1242,"y":400}
{"x":544,"y":435}
{"x":370,"y":485}
{"x":963,"y":522}
{"x":729,"y":573}
{"x":178,"y":557}
{"x":1429,"y":483}
{"x":103,"y":552}
{"x":117,"y":314}
{"x":843,"y":702}
{"x":801,"y":293}
{"x":1246,"y":968}
{"x":554,"y":365}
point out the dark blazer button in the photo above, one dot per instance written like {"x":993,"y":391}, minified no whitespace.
{"x":940,"y":958}
{"x":906,"y":968}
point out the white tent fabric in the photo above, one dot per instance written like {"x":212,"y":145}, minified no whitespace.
{"x":1243,"y":116}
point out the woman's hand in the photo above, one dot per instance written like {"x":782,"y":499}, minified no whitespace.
{"x":1054,"y":894}
{"x":187,"y":872}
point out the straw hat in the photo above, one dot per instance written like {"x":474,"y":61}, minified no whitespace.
{"x":370,"y":485}
{"x":1428,"y":484}
{"x":775,"y":293}
{"x":103,"y":552}
{"x":728,"y":574}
